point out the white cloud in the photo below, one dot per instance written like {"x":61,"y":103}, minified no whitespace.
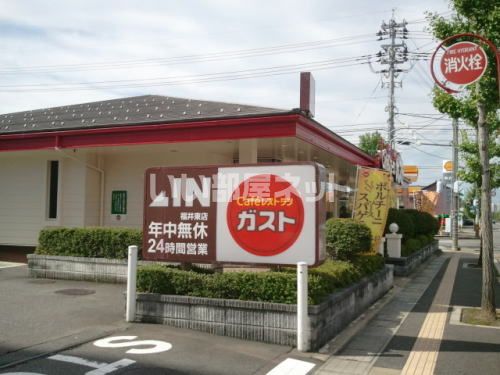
{"x":85,"y":32}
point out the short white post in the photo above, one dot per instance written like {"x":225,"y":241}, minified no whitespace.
{"x":131,"y":283}
{"x":393,"y":241}
{"x":302,"y":304}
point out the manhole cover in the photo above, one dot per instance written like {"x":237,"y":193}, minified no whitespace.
{"x":75,"y":292}
{"x":41,"y":281}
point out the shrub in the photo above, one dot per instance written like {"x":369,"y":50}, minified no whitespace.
{"x":273,"y":286}
{"x":416,"y":217}
{"x":369,"y":263}
{"x":346,"y":237}
{"x":425,"y":223}
{"x":88,"y":242}
{"x":410,"y":246}
{"x":412,"y":223}
{"x":425,"y":239}
{"x":404,"y":220}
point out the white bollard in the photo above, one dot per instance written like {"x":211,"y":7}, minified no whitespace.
{"x":131,"y":283}
{"x":302,"y":304}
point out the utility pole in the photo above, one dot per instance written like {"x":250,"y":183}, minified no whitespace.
{"x":392,"y":55}
{"x":454,"y":189}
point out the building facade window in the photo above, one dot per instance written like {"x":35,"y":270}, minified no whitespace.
{"x":53,"y":188}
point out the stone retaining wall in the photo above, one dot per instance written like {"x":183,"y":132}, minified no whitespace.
{"x":405,"y":265}
{"x":261,"y":321}
{"x":78,"y":268}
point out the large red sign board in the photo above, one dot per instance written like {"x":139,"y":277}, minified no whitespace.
{"x":463,"y":63}
{"x":266,"y":222}
{"x":267,"y":214}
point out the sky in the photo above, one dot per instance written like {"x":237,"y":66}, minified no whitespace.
{"x":250,"y":52}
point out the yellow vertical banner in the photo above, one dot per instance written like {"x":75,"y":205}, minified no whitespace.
{"x":372,"y":201}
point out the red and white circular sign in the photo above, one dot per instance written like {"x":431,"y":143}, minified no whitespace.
{"x":463,"y":63}
{"x":265,"y":215}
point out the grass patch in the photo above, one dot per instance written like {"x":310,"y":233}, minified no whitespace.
{"x":475,"y":317}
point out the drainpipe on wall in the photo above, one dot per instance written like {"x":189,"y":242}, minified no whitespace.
{"x":97,"y":169}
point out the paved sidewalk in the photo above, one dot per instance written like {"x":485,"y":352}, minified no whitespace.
{"x":361,"y":353}
{"x":413,"y":334}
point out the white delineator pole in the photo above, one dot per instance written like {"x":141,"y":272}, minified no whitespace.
{"x":131,"y":283}
{"x":302,"y":303}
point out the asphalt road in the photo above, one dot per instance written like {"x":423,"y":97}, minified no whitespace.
{"x":50,"y":327}
{"x":162,"y":350}
{"x":37,"y":311}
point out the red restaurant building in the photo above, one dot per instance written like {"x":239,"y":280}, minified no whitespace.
{"x":83,"y":165}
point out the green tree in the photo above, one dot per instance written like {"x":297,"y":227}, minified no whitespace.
{"x":369,"y":142}
{"x":470,"y":195}
{"x":477,"y":106}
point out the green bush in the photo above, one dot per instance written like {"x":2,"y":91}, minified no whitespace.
{"x":346,"y":237}
{"x":273,"y":286}
{"x":414,"y":216}
{"x":369,"y":263}
{"x":88,"y":242}
{"x":425,"y":223}
{"x":426,"y":239}
{"x":413,"y":223}
{"x":410,"y":246}
{"x":404,"y":220}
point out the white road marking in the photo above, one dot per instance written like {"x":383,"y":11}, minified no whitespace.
{"x":111,"y":367}
{"x":158,"y":346}
{"x":77,"y":360}
{"x":101,"y":368}
{"x":292,"y":366}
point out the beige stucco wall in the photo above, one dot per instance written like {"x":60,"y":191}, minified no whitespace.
{"x":23,"y":180}
{"x":22,"y":177}
{"x":125,"y":170}
{"x":24,"y":191}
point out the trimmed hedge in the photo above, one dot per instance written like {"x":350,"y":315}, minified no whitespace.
{"x":346,"y":237}
{"x":272,"y":286}
{"x":403,"y":220}
{"x":109,"y":243}
{"x":418,"y":228}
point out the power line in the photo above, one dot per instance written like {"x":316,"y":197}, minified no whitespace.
{"x":371,"y":95}
{"x":213,"y":56}
{"x":427,"y":153}
{"x":201,"y":78}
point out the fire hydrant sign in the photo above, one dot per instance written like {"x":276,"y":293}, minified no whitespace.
{"x":463,"y":63}
{"x":258,"y":214}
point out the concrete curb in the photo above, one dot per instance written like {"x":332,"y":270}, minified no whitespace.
{"x":405,"y":266}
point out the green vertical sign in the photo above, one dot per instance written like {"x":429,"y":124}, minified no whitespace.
{"x":118,"y":202}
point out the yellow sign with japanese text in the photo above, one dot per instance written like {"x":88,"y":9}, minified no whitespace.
{"x":372,"y":201}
